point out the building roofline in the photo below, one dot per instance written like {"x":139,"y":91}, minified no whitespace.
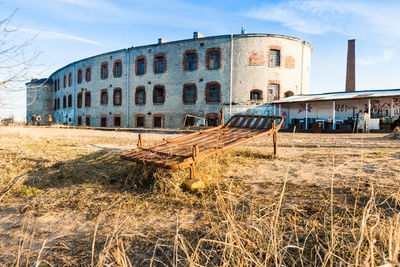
{"x":248,"y":35}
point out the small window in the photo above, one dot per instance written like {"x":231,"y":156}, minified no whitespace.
{"x":159,"y":94}
{"x":190,"y":60}
{"x":213,"y":58}
{"x":213,"y":93}
{"x":64,"y":102}
{"x":88,"y":74}
{"x":104,"y":97}
{"x":140,"y":96}
{"x":69,"y":101}
{"x":273,"y":91}
{"x":117,"y":68}
{"x":117,"y":97}
{"x":79,"y":100}
{"x":117,"y":120}
{"x":88,"y":99}
{"x":65,"y":81}
{"x":79,"y":76}
{"x":140,"y":65}
{"x":70,"y":79}
{"x":79,"y":120}
{"x":104,"y":71}
{"x":103,"y":121}
{"x":256,"y":95}
{"x":289,"y":94}
{"x":159,"y":63}
{"x":189,"y":121}
{"x":87,"y":120}
{"x":274,"y":58}
{"x":212,"y":119}
{"x":140,"y":119}
{"x":158,"y":121}
{"x":189,"y":94}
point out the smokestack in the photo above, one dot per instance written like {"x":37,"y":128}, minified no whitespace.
{"x":351,"y":66}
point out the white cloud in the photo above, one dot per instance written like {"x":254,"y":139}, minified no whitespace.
{"x":56,"y":36}
{"x":387,"y":55}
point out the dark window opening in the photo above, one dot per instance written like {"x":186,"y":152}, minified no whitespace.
{"x":190,"y":121}
{"x":256,"y":95}
{"x":117,"y":121}
{"x":275,"y":58}
{"x":69,"y":101}
{"x":70,"y":79}
{"x":55,"y":85}
{"x":79,"y":120}
{"x":212,"y":93}
{"x":159,"y":64}
{"x":212,"y":121}
{"x":118,"y":69}
{"x":289,"y":94}
{"x":117,"y":98}
{"x":158,"y":120}
{"x":140,"y":96}
{"x":213,"y":60}
{"x":158,"y":94}
{"x":140,"y":121}
{"x":79,"y":100}
{"x":88,"y":74}
{"x":104,"y":97}
{"x":104,"y":71}
{"x":87,"y":121}
{"x":65,"y":81}
{"x":88,"y":99}
{"x":189,"y":94}
{"x":79,"y":76}
{"x":190,"y":61}
{"x":64,"y":101}
{"x":103,"y":122}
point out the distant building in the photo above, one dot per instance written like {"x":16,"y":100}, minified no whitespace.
{"x":158,"y":85}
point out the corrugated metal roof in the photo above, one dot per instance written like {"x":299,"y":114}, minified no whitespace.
{"x":340,"y":96}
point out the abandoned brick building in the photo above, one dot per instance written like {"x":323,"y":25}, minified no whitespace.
{"x":159,"y":85}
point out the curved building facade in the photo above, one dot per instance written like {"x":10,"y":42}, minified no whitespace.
{"x":175,"y":84}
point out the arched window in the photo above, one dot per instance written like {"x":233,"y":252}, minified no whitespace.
{"x":79,"y":76}
{"x":104,"y":70}
{"x":88,"y":74}
{"x":159,"y":94}
{"x":256,"y":94}
{"x":117,"y":97}
{"x":117,"y":70}
{"x":140,"y":96}
{"x":213,"y":93}
{"x":103,"y":97}
{"x":288,"y":94}
{"x":189,"y":94}
{"x":70,"y":79}
{"x":55,"y":85}
{"x":88,"y":99}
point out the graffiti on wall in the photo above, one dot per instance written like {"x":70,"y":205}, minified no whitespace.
{"x":378,"y":108}
{"x":302,"y":107}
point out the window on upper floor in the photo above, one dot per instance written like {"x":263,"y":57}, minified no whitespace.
{"x":189,"y":94}
{"x":88,"y":74}
{"x":79,"y":76}
{"x":141,"y":65}
{"x":117,"y":97}
{"x":213,"y":58}
{"x":256,"y":94}
{"x":213,"y":93}
{"x":159,"y":94}
{"x":55,"y":85}
{"x":273,"y":91}
{"x":65,"y":81}
{"x":274,"y":58}
{"x":103,"y":97}
{"x":190,"y":60}
{"x":79,"y":100}
{"x":88,"y":99}
{"x":140,"y":96}
{"x":64,"y":102}
{"x":70,"y":79}
{"x":160,"y":63}
{"x":58,"y":83}
{"x":117,"y":68}
{"x":104,"y":70}
{"x":69,"y":101}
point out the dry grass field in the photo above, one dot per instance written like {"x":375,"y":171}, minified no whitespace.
{"x":66,"y":199}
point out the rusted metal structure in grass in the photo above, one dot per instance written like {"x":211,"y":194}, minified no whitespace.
{"x":185,"y":151}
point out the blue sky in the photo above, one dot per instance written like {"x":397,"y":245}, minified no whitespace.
{"x":68,"y":30}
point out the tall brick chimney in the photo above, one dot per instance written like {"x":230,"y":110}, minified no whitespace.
{"x":351,"y":66}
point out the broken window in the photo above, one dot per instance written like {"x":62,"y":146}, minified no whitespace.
{"x":274,"y":58}
{"x":189,"y":121}
{"x":88,"y":99}
{"x":159,"y":94}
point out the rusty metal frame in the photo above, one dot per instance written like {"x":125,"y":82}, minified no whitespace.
{"x":185,"y":151}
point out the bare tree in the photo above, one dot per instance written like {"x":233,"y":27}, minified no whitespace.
{"x":17,"y":57}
